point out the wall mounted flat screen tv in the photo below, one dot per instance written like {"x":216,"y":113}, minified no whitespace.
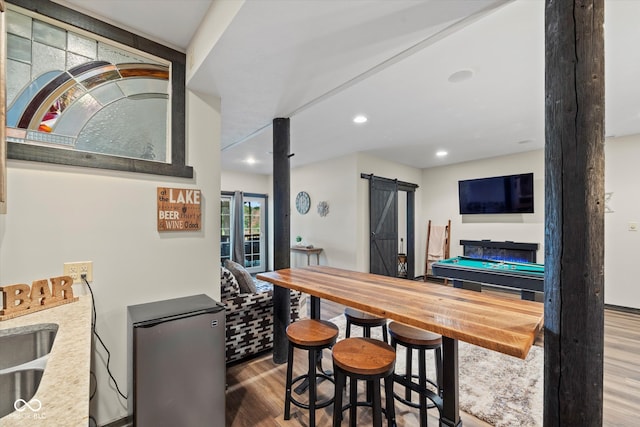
{"x":497,"y":195}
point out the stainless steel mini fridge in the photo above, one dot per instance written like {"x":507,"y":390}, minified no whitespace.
{"x":176,"y":363}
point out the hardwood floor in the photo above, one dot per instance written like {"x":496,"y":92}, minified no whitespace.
{"x":255,"y":394}
{"x":621,"y":368}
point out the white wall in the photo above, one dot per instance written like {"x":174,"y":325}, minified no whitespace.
{"x":333,"y":181}
{"x":621,"y":245}
{"x":246,"y":182}
{"x":440,"y":203}
{"x":58,"y":214}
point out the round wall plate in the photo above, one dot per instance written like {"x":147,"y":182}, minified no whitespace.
{"x":323,"y":208}
{"x":303,"y":202}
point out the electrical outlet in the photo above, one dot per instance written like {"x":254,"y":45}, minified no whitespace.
{"x":76,"y":269}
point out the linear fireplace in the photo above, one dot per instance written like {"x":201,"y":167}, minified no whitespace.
{"x":500,"y":251}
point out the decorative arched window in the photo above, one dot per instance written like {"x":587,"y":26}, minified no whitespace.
{"x":81,"y":92}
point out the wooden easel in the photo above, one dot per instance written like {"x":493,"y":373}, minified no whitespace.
{"x":445,"y":249}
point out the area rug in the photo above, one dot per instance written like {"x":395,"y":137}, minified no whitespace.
{"x":501,"y":390}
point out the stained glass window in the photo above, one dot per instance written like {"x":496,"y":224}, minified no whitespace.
{"x":59,"y":107}
{"x":68,"y":88}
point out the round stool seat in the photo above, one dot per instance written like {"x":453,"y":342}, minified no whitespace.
{"x":311,"y":332}
{"x":418,"y":339}
{"x":364,"y":356}
{"x":414,"y":336}
{"x":365,"y":359}
{"x":314,"y":336}
{"x":362,"y":318}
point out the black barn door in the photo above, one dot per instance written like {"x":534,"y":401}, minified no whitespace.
{"x":383,"y":223}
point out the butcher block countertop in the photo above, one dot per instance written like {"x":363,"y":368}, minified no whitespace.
{"x":504,"y":325}
{"x":64,"y":389}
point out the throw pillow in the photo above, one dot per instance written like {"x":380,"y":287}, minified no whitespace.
{"x":229,"y":287}
{"x":242,"y":276}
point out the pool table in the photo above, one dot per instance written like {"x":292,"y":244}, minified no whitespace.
{"x":528,"y":277}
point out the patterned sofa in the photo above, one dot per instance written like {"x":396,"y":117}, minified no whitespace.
{"x":249,"y":316}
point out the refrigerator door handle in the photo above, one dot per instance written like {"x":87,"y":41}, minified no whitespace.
{"x":155,"y":322}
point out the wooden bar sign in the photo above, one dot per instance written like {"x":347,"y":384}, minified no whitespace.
{"x":21,"y":299}
{"x":179,"y":209}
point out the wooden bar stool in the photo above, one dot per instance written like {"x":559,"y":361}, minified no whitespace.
{"x":366,"y":321}
{"x":418,"y":339}
{"x":313,"y":336}
{"x":369,"y":360}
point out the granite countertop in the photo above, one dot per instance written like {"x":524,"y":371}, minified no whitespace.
{"x":64,"y":388}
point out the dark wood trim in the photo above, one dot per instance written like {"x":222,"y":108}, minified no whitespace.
{"x":574,"y":213}
{"x":178,"y":166}
{"x":622,"y":309}
{"x":411,"y":234}
{"x":231,"y":193}
{"x":3,"y":110}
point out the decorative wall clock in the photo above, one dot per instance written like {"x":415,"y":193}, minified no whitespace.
{"x":303,"y":202}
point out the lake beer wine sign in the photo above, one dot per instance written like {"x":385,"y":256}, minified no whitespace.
{"x":179,"y":209}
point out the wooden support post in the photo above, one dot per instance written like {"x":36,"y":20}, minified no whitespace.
{"x":282,"y":235}
{"x":574,"y":213}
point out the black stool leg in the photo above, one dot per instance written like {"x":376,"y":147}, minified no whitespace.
{"x":287,"y":396}
{"x":389,"y":400}
{"x":408,"y":370}
{"x":353,"y":401}
{"x":376,"y":403}
{"x":337,"y":402}
{"x":438,"y":360}
{"x":385,"y":336}
{"x":367,"y":334}
{"x":422,"y":379}
{"x":312,"y":388}
{"x":347,"y":333}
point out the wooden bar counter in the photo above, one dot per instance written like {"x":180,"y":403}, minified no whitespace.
{"x":508,"y":326}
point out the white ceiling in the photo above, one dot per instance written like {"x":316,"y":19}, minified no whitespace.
{"x":321,"y":62}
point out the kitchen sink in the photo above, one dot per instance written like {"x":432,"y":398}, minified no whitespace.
{"x":17,"y":388}
{"x":25,"y":344}
{"x":23,"y":357}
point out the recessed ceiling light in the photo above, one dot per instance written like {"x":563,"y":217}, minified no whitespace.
{"x":441,"y":153}
{"x":460,"y":76}
{"x":251,"y":161}
{"x":360,"y":119}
